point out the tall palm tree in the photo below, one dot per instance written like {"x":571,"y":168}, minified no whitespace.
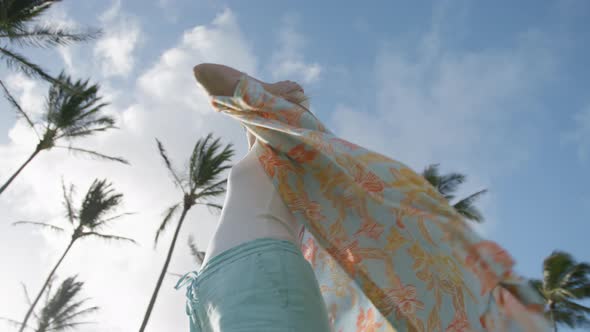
{"x":447,"y":185}
{"x":87,"y":221}
{"x":19,"y":27}
{"x":199,"y":186}
{"x":70,"y":113}
{"x":565,"y":283}
{"x":62,"y":309}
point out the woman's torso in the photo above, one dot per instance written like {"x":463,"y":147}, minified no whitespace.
{"x":252,"y":209}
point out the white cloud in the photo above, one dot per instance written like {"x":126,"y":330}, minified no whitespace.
{"x":580,"y":136}
{"x":27,"y":91}
{"x":115,"y":49}
{"x":168,"y":104}
{"x":58,"y":17}
{"x":288,"y":62}
{"x":171,"y":79}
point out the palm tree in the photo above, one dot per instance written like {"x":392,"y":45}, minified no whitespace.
{"x":447,"y":185}
{"x":565,"y":283}
{"x":87,"y":221}
{"x":70,"y":113}
{"x":201,"y":184}
{"x":18,"y":27}
{"x":62,"y":309}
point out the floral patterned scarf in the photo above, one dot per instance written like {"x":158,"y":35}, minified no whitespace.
{"x":389,"y":252}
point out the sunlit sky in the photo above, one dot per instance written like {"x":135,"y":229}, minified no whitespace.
{"x":495,"y":90}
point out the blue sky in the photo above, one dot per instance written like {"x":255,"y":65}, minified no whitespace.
{"x":496,"y":90}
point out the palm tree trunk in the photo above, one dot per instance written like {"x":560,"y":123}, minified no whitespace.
{"x":163,"y":273}
{"x":4,"y":186}
{"x":28,"y":315}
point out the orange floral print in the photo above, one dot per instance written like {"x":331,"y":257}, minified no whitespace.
{"x":346,"y":252}
{"x":404,"y":300}
{"x":483,"y":270}
{"x":292,"y":116}
{"x":368,"y":180}
{"x":459,"y":323}
{"x":366,"y":322}
{"x":271,"y":161}
{"x":300,"y":155}
{"x":299,"y":202}
{"x":310,"y":250}
{"x":369,"y":226}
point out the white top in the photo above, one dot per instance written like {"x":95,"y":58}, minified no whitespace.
{"x":252,"y":209}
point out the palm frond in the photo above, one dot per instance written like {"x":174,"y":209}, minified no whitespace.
{"x":105,"y":222}
{"x":108,"y":237}
{"x":538,"y":286}
{"x":18,"y":108}
{"x":432,"y":175}
{"x":215,"y":206}
{"x":576,"y":306}
{"x":93,"y":153}
{"x":18,"y":28}
{"x":576,"y":278}
{"x":167,"y":217}
{"x":466,"y":208}
{"x":206,"y":192}
{"x":27,"y":297}
{"x":449,"y":183}
{"x":84,"y":132}
{"x":572,"y":318}
{"x":74,"y":105}
{"x":212,"y":207}
{"x":168,"y":164}
{"x":554,"y":268}
{"x":46,"y":36}
{"x":195,"y":252}
{"x":64,"y":319}
{"x":207,"y":163}
{"x":14,"y":322}
{"x":69,"y":326}
{"x":49,"y":287}
{"x":214,"y":192}
{"x":566,"y":281}
{"x":71,"y":311}
{"x":19,"y":62}
{"x":16,"y":14}
{"x":88,"y":123}
{"x":580,"y":291}
{"x":41,"y":224}
{"x":62,"y":307}
{"x":68,"y":199}
{"x":445,"y":184}
{"x":99,"y":201}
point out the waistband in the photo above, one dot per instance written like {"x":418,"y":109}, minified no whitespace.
{"x":235,"y":253}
